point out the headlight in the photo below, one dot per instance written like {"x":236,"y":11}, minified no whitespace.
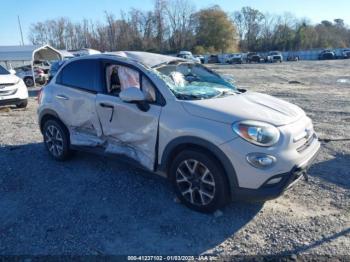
{"x":258,"y":133}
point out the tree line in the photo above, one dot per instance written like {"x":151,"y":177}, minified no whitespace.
{"x":174,"y":25}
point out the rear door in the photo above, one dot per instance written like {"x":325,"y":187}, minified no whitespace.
{"x":129,"y":130}
{"x":74,"y":95}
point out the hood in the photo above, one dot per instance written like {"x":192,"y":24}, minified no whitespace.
{"x":245,"y":106}
{"x":8,"y":79}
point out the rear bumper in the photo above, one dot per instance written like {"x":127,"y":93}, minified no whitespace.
{"x":266,"y":191}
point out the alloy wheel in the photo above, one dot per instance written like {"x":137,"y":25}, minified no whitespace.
{"x":54,"y":140}
{"x":195,"y":182}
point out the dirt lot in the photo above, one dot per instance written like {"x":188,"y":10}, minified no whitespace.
{"x":98,"y":205}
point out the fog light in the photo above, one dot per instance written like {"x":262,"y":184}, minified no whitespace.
{"x":260,"y":160}
{"x":274,"y":180}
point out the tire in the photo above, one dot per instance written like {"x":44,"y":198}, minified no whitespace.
{"x":56,"y":139}
{"x":199,"y":181}
{"x":23,"y":104}
{"x":29,"y":81}
{"x":42,"y":82}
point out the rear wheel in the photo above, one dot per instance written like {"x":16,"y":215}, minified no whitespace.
{"x":56,"y":139}
{"x":199,"y":181}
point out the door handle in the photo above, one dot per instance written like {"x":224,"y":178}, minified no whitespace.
{"x":106,"y":105}
{"x":63,"y":97}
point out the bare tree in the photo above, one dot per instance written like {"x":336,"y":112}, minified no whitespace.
{"x":180,"y":14}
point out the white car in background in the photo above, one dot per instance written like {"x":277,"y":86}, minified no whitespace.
{"x":26,"y":74}
{"x":13,"y":91}
{"x":189,"y":56}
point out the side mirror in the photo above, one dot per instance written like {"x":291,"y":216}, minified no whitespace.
{"x":135,"y":95}
{"x":12,"y":72}
{"x":132,"y":94}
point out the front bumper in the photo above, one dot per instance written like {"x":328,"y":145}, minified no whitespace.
{"x":266,"y":191}
{"x":11,"y":101}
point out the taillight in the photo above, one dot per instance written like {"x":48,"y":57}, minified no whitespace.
{"x":39,"y":71}
{"x":39,"y":95}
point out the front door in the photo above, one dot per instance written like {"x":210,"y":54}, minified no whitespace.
{"x":128,"y":130}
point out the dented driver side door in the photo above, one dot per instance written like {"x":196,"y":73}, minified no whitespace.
{"x":127,"y":129}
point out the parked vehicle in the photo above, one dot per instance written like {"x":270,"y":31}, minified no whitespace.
{"x":201,"y":58}
{"x":180,"y":119}
{"x":188,"y":55}
{"x":274,"y":56}
{"x":327,"y":55}
{"x":254,"y":58}
{"x":346,"y":53}
{"x":235,"y":59}
{"x":12,"y":89}
{"x":54,"y":69}
{"x":293,"y":57}
{"x":26,"y":74}
{"x":44,"y":65}
{"x":213,"y":59}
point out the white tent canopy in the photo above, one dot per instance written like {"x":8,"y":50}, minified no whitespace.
{"x":15,"y":54}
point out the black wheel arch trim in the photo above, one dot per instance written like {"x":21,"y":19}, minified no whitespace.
{"x":215,"y":150}
{"x":46,"y":113}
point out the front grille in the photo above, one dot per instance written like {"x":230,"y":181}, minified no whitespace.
{"x":8,"y":92}
{"x":307,"y":141}
{"x":2,"y":85}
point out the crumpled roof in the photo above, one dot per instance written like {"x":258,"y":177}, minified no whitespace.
{"x":148,"y":59}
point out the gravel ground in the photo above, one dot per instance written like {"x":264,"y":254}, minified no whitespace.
{"x":98,"y":205}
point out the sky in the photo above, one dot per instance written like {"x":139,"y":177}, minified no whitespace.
{"x":32,"y":11}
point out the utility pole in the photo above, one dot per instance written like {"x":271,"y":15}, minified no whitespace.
{"x":20,"y":29}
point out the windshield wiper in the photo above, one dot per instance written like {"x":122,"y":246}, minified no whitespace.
{"x":226,"y":93}
{"x":189,"y":97}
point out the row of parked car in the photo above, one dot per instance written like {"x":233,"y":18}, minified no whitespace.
{"x":329,"y":54}
{"x":255,"y":57}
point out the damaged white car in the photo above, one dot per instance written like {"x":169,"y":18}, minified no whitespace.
{"x":216,"y":143}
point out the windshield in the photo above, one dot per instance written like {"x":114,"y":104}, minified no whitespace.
{"x":3,"y":71}
{"x":191,"y":81}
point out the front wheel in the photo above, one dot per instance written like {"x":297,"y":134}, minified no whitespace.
{"x":29,"y":82}
{"x":56,"y":139}
{"x":199,"y":181}
{"x":23,"y":104}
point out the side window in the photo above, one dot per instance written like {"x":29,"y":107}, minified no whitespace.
{"x":120,"y":77}
{"x":148,"y":90}
{"x":128,"y":77}
{"x":82,"y":74}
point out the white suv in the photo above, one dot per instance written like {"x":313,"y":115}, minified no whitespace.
{"x":13,"y":91}
{"x":177,"y":118}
